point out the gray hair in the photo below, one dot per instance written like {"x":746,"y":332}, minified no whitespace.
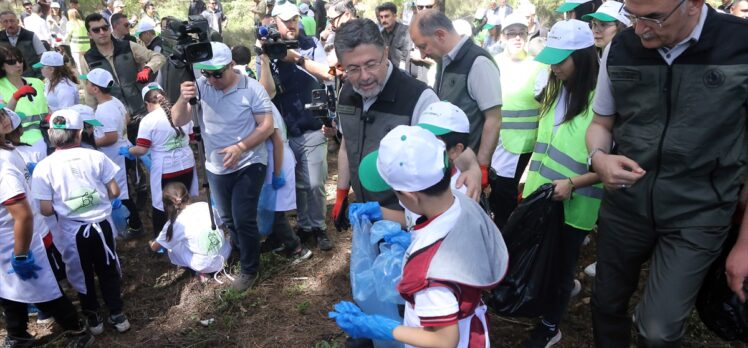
{"x":343,"y":6}
{"x":357,"y":32}
{"x":37,"y":9}
{"x":429,"y":21}
{"x":6,"y":13}
{"x":62,"y":137}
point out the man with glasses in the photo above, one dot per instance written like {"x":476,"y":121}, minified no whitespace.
{"x":121,"y":27}
{"x":236,"y":120}
{"x":296,"y":76}
{"x":671,"y":96}
{"x":26,"y":41}
{"x":466,"y":76}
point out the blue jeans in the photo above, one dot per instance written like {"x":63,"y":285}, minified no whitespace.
{"x":236,"y":195}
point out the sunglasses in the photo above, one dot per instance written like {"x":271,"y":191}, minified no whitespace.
{"x":14,"y":61}
{"x":100,"y":29}
{"x":216,"y":75}
{"x":425,"y":7}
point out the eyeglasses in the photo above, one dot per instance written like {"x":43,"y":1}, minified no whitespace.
{"x":334,"y":19}
{"x":651,"y":21}
{"x":355,"y":71}
{"x":424,"y":7}
{"x":595,"y":26}
{"x":97,"y":30}
{"x":512,"y":34}
{"x":216,"y":75}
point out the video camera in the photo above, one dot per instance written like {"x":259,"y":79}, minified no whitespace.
{"x":323,"y":104}
{"x":187,"y":41}
{"x":273,"y":45}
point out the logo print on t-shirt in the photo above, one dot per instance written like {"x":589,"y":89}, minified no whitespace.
{"x":82,"y":200}
{"x":174,"y":143}
{"x":210,"y":242}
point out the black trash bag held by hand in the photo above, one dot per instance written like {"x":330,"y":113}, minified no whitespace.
{"x":531,"y":237}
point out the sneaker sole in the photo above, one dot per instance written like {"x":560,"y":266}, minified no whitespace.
{"x":45,"y":321}
{"x":96,"y":330}
{"x":554,"y":340}
{"x":122,"y":327}
{"x":306,"y":256}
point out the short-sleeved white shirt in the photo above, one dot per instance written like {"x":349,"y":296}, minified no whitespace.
{"x":156,"y":133}
{"x":13,"y":182}
{"x":112,"y":115}
{"x":64,"y":95}
{"x":75,"y":181}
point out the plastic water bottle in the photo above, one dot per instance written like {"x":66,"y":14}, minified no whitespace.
{"x":120,"y":214}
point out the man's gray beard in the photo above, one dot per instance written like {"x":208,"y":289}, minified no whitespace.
{"x":371,"y":94}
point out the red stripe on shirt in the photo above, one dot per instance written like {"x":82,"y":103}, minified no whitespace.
{"x":176,"y":174}
{"x":477,"y":334}
{"x":143,"y":142}
{"x":444,"y":320}
{"x":15,"y":199}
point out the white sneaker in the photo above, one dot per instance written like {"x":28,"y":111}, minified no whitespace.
{"x":591,"y":270}
{"x":577,"y":288}
{"x":120,"y":322}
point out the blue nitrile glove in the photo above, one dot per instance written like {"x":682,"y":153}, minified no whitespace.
{"x":401,"y":238}
{"x":359,"y":325}
{"x":116,"y":203}
{"x":124,"y":151}
{"x":30,"y":166}
{"x":371,"y":210}
{"x":279,"y":180}
{"x":25,"y":269}
{"x":146,"y":159}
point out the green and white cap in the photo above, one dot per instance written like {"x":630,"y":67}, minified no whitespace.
{"x":143,"y":26}
{"x":49,"y":58}
{"x":444,"y":117}
{"x":72,"y":118}
{"x":564,"y":38}
{"x":569,"y":5}
{"x":409,"y":159}
{"x":221,"y":57}
{"x":87,"y":114}
{"x":99,"y":77}
{"x":153,"y":86}
{"x":610,"y":11}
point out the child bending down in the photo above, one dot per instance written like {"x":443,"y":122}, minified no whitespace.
{"x":188,"y":235}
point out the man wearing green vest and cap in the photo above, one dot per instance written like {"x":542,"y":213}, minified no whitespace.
{"x":519,"y":114}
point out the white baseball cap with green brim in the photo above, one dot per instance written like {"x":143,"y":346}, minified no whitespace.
{"x":143,"y":26}
{"x":444,"y":117}
{"x":610,"y":11}
{"x":409,"y":159}
{"x":87,"y":114}
{"x":221,"y":57}
{"x":153,"y":86}
{"x":99,"y":77}
{"x":72,"y":118}
{"x":564,"y":38}
{"x":569,"y":5}
{"x":49,"y":58}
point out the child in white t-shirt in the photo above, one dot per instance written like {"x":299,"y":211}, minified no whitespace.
{"x":172,"y":159}
{"x":76,"y":185}
{"x":111,"y":136}
{"x":188,"y":235}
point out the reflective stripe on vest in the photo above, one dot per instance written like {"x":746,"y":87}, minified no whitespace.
{"x":548,"y":173}
{"x":35,"y":111}
{"x":520,"y":113}
{"x":519,"y":125}
{"x":520,"y":110}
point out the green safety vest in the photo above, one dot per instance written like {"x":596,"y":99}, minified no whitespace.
{"x":563,"y":155}
{"x":519,"y":112}
{"x":34,"y":112}
{"x":79,"y":41}
{"x":310,"y":26}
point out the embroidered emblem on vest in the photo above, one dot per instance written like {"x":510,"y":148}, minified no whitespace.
{"x":624,"y":75}
{"x":714,"y":78}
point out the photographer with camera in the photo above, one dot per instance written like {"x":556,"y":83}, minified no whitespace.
{"x":236,"y":120}
{"x":296,"y":73}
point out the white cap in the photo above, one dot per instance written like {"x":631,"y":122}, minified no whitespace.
{"x":303,"y":8}
{"x":87,"y":114}
{"x":49,"y":58}
{"x":153,"y":86}
{"x":286,"y":11}
{"x":425,"y":2}
{"x":409,"y":159}
{"x":143,"y":26}
{"x":221,"y":57}
{"x":564,"y":38}
{"x":15,"y":119}
{"x":118,"y":3}
{"x":443,"y":117}
{"x":72,"y":118}
{"x":569,"y":5}
{"x":514,"y":19}
{"x":54,"y":4}
{"x":99,"y":77}
{"x":462,"y":27}
{"x":609,"y":11}
{"x":479,"y":13}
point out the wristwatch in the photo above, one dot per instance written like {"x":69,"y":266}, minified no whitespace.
{"x":300,"y":62}
{"x":589,"y":159}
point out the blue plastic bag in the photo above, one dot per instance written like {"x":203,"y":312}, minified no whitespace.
{"x":120,"y":215}
{"x":266,"y":210}
{"x":388,"y":265}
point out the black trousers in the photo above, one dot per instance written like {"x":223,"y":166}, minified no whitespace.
{"x":159,"y":217}
{"x":95,"y":262}
{"x":569,"y":243}
{"x":283,"y":233}
{"x":17,"y":317}
{"x":134,"y":220}
{"x":504,"y":192}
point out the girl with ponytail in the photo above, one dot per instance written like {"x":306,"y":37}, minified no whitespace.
{"x":187,"y":233}
{"x":172,"y":159}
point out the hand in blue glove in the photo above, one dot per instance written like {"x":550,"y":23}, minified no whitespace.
{"x":146,"y":159}
{"x":30,"y":166}
{"x":359,"y":325}
{"x":279,"y":180}
{"x":116,"y":203}
{"x":124,"y":151}
{"x":370,"y":210}
{"x":25,"y":268}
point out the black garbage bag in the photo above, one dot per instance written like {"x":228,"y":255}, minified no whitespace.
{"x":531,"y":236}
{"x":719,"y":308}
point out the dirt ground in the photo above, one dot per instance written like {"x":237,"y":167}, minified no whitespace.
{"x":167,"y":307}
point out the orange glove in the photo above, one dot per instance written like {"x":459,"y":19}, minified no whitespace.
{"x":484,"y":176}
{"x":25,"y":90}
{"x":341,"y":196}
{"x":144,"y":75}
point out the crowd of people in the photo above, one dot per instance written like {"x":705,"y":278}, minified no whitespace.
{"x":442,"y":124}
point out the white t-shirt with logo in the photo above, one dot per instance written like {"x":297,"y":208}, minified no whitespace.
{"x":112,"y":115}
{"x":157,"y":132}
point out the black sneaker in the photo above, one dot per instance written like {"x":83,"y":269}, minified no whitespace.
{"x":302,"y":234}
{"x":132,"y":233}
{"x":323,"y":242}
{"x":94,"y":323}
{"x":543,"y":337}
{"x":299,"y":255}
